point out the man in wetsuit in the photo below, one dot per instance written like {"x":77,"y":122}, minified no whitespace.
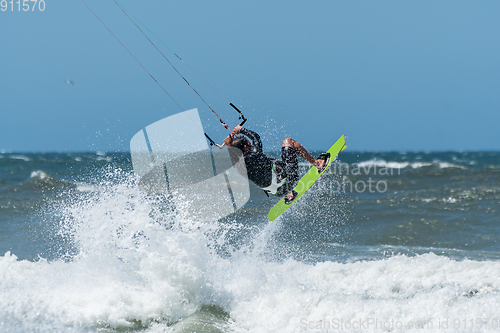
{"x":277,"y":177}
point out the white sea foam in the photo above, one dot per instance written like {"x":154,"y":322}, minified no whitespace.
{"x":260,"y":296}
{"x":444,"y":165}
{"x":401,"y":165}
{"x":39,"y":174}
{"x":417,"y":291}
{"x":418,"y":165}
{"x":382,"y":164}
{"x":20,"y":157}
{"x":128,"y":269}
{"x":104,"y":158}
{"x":374,"y":164}
{"x":131,"y":268}
{"x":84,"y":187}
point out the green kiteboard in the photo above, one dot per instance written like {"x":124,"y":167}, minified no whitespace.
{"x":307,"y":180}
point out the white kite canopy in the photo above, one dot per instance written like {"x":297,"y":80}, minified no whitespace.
{"x":172,"y":157}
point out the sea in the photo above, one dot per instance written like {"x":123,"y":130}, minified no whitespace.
{"x":383,"y":242}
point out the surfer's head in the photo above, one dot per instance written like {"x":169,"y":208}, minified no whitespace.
{"x":242,"y":144}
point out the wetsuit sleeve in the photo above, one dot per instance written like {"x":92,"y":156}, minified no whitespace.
{"x":254,"y":137}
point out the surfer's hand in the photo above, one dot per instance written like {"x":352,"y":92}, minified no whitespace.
{"x":237,"y":130}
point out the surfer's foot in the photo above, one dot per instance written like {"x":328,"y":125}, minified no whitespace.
{"x":318,"y":163}
{"x":322,"y":161}
{"x":290,"y":197}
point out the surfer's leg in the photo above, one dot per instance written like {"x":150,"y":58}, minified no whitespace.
{"x":289,"y":158}
{"x":302,"y":152}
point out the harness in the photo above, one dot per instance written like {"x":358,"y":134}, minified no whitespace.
{"x":275,"y":182}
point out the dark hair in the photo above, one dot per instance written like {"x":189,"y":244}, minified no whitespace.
{"x":241,"y":143}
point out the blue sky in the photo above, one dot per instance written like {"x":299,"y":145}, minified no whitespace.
{"x":390,"y":75}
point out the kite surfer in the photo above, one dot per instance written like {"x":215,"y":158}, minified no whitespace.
{"x":274,"y":176}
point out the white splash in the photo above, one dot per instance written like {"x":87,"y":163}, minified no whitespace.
{"x":144,"y":271}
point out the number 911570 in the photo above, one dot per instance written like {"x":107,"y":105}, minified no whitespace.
{"x":22,"y":5}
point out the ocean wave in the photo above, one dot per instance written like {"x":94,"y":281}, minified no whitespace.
{"x":402,"y":165}
{"x":104,"y":158}
{"x":42,"y":179}
{"x":255,"y":295}
{"x":20,"y":157}
{"x":376,"y":163}
{"x":134,"y":270}
{"x":444,"y":165}
{"x":381,"y":164}
{"x":39,"y":174}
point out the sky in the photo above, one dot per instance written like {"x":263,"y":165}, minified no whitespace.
{"x":392,"y":75}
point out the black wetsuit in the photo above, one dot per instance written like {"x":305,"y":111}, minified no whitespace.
{"x":260,"y":167}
